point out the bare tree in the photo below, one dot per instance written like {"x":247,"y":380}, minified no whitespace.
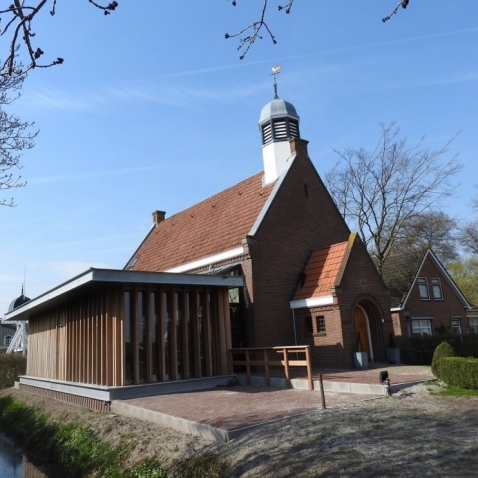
{"x":432,"y":229}
{"x":250,"y":33}
{"x":15,"y":136}
{"x":469,"y":231}
{"x":17,"y":21}
{"x":381,"y":192}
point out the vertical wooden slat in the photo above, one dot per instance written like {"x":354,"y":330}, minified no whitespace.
{"x":184,"y":328}
{"x":134,"y":334}
{"x":160,"y":339}
{"x":119,"y":337}
{"x":222,"y":317}
{"x":148,"y":314}
{"x":208,"y":338}
{"x":266,"y":368}
{"x":196,"y":336}
{"x":173,"y":337}
{"x":248,"y":368}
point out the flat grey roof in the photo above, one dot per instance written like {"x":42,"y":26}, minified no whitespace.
{"x":93,"y":279}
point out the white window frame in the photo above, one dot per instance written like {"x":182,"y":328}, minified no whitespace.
{"x":7,"y":340}
{"x":421,"y":322}
{"x":423,"y":282}
{"x":436,"y":282}
{"x":473,"y":322}
{"x":457,"y":320}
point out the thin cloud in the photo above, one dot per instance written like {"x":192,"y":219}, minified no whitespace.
{"x":95,"y":174}
{"x":158,"y":89}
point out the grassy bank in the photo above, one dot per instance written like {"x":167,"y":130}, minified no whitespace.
{"x":77,"y":451}
{"x":11,"y":367}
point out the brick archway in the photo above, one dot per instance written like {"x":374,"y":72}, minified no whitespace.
{"x":367,"y":324}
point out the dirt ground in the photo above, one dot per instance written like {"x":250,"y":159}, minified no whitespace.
{"x":411,"y":433}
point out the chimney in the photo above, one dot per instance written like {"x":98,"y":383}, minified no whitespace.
{"x":298,"y":146}
{"x":158,"y":216}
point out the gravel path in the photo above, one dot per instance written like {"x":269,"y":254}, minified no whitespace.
{"x":411,"y":433}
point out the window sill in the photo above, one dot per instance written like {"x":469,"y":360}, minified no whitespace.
{"x":320,"y":334}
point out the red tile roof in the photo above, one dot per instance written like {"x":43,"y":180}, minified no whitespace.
{"x":322,"y":270}
{"x":214,"y":225}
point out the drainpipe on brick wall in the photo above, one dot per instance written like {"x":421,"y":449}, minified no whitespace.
{"x":295,"y":329}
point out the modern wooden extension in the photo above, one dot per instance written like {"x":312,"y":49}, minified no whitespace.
{"x":121,"y":329}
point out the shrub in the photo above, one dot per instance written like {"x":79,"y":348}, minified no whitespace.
{"x":459,"y":372}
{"x":11,"y":367}
{"x":75,"y":450}
{"x":201,"y":465}
{"x":443,"y":350}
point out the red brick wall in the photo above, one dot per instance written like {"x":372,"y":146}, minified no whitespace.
{"x":327,"y":348}
{"x":362,"y":285}
{"x":302,"y":217}
{"x":440,"y":310}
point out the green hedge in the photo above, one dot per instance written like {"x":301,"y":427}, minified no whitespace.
{"x":464,"y":346}
{"x":442,"y":351}
{"x":459,"y":372}
{"x":11,"y":366}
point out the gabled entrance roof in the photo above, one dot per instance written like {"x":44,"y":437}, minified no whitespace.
{"x":323,"y":271}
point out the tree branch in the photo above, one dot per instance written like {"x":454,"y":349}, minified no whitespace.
{"x":19,"y":16}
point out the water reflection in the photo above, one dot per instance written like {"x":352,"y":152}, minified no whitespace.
{"x":15,"y":465}
{"x":11,"y":462}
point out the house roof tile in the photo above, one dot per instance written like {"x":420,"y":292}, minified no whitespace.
{"x":322,"y":271}
{"x":214,"y":225}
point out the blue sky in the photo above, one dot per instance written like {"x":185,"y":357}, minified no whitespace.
{"x":152,"y":109}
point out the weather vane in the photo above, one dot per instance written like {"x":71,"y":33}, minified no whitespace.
{"x":275,"y":72}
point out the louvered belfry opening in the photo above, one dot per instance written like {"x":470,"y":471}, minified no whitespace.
{"x":280,"y":129}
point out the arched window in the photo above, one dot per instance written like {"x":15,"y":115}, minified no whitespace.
{"x":7,"y":340}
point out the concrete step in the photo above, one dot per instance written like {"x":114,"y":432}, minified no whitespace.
{"x":342,"y":387}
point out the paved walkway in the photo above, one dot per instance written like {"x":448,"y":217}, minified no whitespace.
{"x":397,"y":374}
{"x":226,"y":409}
{"x":241,"y":406}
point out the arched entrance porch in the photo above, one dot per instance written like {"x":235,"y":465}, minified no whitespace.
{"x":368,"y":326}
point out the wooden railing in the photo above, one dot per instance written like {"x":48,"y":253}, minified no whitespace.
{"x":266,"y":362}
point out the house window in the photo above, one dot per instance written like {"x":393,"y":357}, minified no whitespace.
{"x":455,"y":325}
{"x":320,"y":324}
{"x":474,"y":324}
{"x":423,"y":287}
{"x":7,"y":340}
{"x":436,"y":287}
{"x":421,"y":327}
{"x":309,"y":329}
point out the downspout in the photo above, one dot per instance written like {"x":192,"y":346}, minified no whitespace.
{"x":294,"y":325}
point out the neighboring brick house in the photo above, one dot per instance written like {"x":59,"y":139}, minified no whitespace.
{"x":7,"y":331}
{"x":270,"y":228}
{"x":425,"y":299}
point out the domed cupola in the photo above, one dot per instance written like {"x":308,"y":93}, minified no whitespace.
{"x":278,"y":123}
{"x":18,"y":302}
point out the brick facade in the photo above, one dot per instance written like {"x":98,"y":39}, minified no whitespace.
{"x":439,"y":312}
{"x":299,"y":217}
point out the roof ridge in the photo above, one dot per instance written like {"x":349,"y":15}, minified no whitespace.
{"x":213,"y":196}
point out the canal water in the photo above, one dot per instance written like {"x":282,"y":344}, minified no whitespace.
{"x":13,"y":464}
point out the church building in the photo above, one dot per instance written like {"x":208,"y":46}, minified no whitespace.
{"x":267,"y":262}
{"x":308,"y":279}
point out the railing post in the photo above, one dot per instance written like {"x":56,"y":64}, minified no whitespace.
{"x":248,"y":368}
{"x":322,"y":394}
{"x":230,"y":362}
{"x":309,"y":367}
{"x":266,"y":368}
{"x":286,"y":366}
